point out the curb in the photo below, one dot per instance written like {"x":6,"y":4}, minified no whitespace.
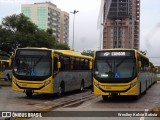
{"x":5,"y":83}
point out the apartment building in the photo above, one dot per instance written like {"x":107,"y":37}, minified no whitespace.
{"x":46,"y":15}
{"x":121,"y":24}
{"x":64,"y":27}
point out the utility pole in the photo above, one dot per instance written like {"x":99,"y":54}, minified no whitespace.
{"x":74,"y":12}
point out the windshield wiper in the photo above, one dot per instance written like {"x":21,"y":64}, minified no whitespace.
{"x":120,"y":63}
{"x":35,"y":64}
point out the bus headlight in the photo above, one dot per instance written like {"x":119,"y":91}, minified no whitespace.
{"x":133,"y":84}
{"x":96,"y":84}
{"x":47,"y":82}
{"x":14,"y":81}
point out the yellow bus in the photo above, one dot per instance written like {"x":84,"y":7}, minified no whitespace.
{"x":5,"y":70}
{"x":120,"y":72}
{"x":153,"y":73}
{"x":42,"y":70}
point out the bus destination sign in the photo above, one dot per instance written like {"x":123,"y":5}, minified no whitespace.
{"x":114,"y":54}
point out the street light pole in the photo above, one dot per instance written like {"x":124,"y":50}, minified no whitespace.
{"x":74,"y":12}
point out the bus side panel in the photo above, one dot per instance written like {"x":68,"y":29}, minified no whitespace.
{"x":143,"y":81}
{"x":72,"y":80}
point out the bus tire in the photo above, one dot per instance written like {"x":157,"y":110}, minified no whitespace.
{"x":61,"y":89}
{"x":140,"y":90}
{"x":105,"y":97}
{"x":29,"y":93}
{"x":144,"y":92}
{"x":135,"y":97}
{"x":82,"y":86}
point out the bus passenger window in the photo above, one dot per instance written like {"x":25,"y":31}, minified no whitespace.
{"x":71,"y":63}
{"x":55,"y":64}
{"x":62,"y":63}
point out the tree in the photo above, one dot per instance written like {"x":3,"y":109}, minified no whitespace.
{"x":19,"y":31}
{"x":62,"y":46}
{"x":6,"y":39}
{"x":49,"y":31}
{"x":144,"y":52}
{"x":19,"y":23}
{"x":4,"y":55}
{"x":88,"y":52}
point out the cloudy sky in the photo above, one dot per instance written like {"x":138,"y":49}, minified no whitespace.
{"x":87,"y":36}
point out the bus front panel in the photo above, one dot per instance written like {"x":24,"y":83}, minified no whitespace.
{"x":110,"y":89}
{"x":115,"y":73}
{"x":32,"y":70}
{"x":45,"y":86}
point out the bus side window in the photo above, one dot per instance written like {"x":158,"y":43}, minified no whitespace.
{"x":76,"y":64}
{"x":0,"y":66}
{"x":5,"y":65}
{"x":55,"y":64}
{"x":66,"y":63}
{"x":62,"y":63}
{"x":86,"y":64}
{"x":71,"y":63}
{"x":81,"y":64}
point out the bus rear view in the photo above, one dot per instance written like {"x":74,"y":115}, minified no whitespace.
{"x":115,"y":73}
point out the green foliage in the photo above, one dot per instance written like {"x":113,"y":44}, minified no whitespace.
{"x":88,"y":52}
{"x":158,"y":71}
{"x":19,"y":23}
{"x":19,"y":31}
{"x":62,"y":46}
{"x":144,"y":52}
{"x":49,"y":31}
{"x":4,"y":55}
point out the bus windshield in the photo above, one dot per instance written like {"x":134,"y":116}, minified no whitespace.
{"x":115,"y":68}
{"x":37,"y":66}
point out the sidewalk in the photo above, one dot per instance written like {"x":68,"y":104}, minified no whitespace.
{"x":156,"y":110}
{"x":5,"y":83}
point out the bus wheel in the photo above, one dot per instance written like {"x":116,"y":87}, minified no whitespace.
{"x":136,"y":97}
{"x":145,"y":89}
{"x":29,"y":93}
{"x":140,"y":90}
{"x":105,"y":97}
{"x":61,"y":89}
{"x":82,"y":86}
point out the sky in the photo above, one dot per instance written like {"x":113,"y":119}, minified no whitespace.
{"x":87,"y":36}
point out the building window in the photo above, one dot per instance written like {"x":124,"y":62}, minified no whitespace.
{"x":42,"y":17}
{"x":27,"y":11}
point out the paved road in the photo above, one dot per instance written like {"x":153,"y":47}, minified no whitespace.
{"x":75,"y":101}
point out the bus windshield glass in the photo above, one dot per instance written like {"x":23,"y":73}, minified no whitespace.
{"x":32,"y":65}
{"x":115,"y":68}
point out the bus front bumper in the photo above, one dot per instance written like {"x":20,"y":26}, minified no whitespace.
{"x":45,"y":86}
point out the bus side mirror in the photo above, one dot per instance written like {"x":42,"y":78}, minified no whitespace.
{"x":90,"y":65}
{"x":10,"y":62}
{"x":58,"y":65}
{"x":140,"y":64}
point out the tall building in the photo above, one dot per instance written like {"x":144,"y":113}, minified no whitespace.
{"x":47,"y":15}
{"x":121,"y":20}
{"x":64,"y":26}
